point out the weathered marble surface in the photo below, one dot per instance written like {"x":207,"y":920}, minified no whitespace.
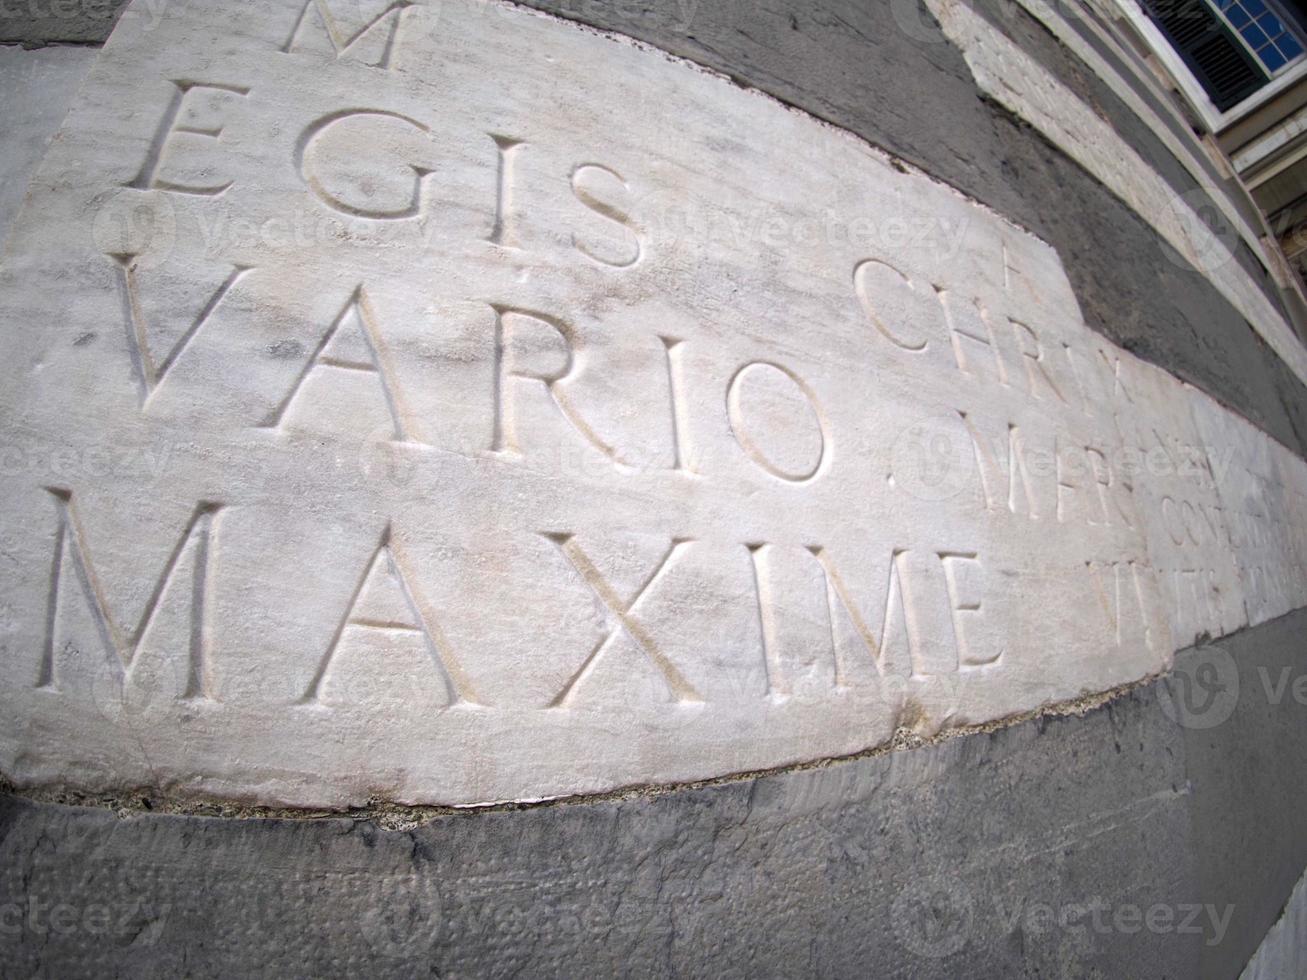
{"x":409,"y":417}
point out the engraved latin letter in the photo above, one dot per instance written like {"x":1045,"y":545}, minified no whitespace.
{"x":582,"y":179}
{"x":149,"y":372}
{"x":506,"y":149}
{"x":1036,"y":367}
{"x":779,"y":434}
{"x":507,"y":374}
{"x":70,"y":545}
{"x":1173,"y":522}
{"x":895,"y":589}
{"x":339,"y":40}
{"x":680,"y":419}
{"x":385,"y":600}
{"x":875,"y":282}
{"x":1016,"y":468}
{"x":957,"y":316}
{"x":1065,"y":465}
{"x":1113,"y":606}
{"x":1102,"y":471}
{"x":1104,"y":360}
{"x":777,"y":684}
{"x":175,"y":124}
{"x":680,"y":688}
{"x":312,"y":141}
{"x":1118,"y":386}
{"x":353,"y":343}
{"x":956,"y":575}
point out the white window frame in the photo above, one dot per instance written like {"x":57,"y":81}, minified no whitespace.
{"x":1213,"y":118}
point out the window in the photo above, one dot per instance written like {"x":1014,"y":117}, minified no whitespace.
{"x":1264,"y":31}
{"x":1232,"y":47}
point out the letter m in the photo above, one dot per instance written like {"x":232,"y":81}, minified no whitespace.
{"x":72,"y":554}
{"x":319,"y":13}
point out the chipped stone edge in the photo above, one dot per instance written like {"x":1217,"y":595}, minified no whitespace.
{"x":403,"y":817}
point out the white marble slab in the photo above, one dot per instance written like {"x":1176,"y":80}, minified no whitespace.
{"x":1264,"y":511}
{"x":423,"y":421}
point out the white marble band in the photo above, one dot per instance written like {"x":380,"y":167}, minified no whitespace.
{"x":453,"y":405}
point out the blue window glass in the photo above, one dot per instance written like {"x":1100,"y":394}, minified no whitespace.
{"x":1270,"y":24}
{"x":1262,"y":27}
{"x":1273,"y":59}
{"x":1254,"y":35}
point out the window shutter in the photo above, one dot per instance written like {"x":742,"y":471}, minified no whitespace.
{"x":1222,"y":65}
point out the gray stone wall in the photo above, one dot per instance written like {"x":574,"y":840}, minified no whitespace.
{"x":38,"y":23}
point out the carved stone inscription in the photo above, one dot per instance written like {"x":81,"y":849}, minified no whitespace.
{"x":394,"y":412}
